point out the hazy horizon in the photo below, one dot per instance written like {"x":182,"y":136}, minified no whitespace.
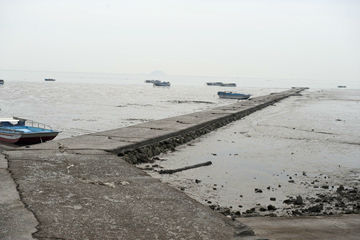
{"x":310,"y":40}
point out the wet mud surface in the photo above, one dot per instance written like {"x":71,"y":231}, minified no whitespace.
{"x":299,"y":157}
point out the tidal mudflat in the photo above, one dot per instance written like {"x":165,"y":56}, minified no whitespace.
{"x":298,"y":157}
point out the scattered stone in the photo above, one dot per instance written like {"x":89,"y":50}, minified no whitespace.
{"x":340,"y":188}
{"x":257,"y":190}
{"x":325,"y":186}
{"x":271,"y":207}
{"x":291,"y":181}
{"x":262,"y":209}
{"x":268,"y":188}
{"x":214,"y":154}
{"x":316,"y":208}
{"x":197,"y":181}
{"x":299,"y":200}
{"x":272,"y":199}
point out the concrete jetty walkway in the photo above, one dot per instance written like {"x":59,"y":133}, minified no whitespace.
{"x":86,"y":187}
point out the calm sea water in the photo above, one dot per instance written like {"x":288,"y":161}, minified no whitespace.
{"x":80,"y":108}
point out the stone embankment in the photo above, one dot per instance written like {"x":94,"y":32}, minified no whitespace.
{"x":79,"y":188}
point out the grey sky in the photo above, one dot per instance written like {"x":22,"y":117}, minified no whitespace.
{"x":271,"y":39}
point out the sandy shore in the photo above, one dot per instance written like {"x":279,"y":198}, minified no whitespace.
{"x":299,"y":157}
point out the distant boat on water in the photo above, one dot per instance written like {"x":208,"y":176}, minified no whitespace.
{"x":341,"y":86}
{"x":2,"y":82}
{"x":50,"y":79}
{"x":152,"y":81}
{"x":221,"y":84}
{"x":232,"y":95}
{"x":22,"y":131}
{"x":214,"y":83}
{"x":161,"y":84}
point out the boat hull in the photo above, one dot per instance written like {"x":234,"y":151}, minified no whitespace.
{"x":231,"y":95}
{"x":9,"y":138}
{"x":27,"y":138}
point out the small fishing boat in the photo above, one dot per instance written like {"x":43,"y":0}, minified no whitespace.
{"x":161,"y":84}
{"x":221,"y":84}
{"x":152,"y":81}
{"x":231,"y":95}
{"x":22,"y":131}
{"x":50,"y":80}
{"x":228,"y":85}
{"x":2,"y":82}
{"x":214,"y":83}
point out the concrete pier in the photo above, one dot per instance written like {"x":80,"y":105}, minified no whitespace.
{"x":86,"y":187}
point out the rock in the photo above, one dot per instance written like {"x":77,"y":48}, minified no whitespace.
{"x":182,"y":188}
{"x":340,"y":189}
{"x":325,"y":186}
{"x":272,"y":199}
{"x":197,"y":181}
{"x":214,"y":188}
{"x":279,"y":186}
{"x":291,"y":181}
{"x":240,"y":206}
{"x":209,"y":202}
{"x":214,"y":154}
{"x":225,"y":211}
{"x":257,"y":190}
{"x":268,"y":188}
{"x":262,"y":209}
{"x":237,"y":213}
{"x":252,"y":210}
{"x":288,"y":201}
{"x":316,"y":208}
{"x":299,"y":200}
{"x":271,"y":207}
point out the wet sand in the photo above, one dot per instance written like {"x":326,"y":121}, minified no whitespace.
{"x":305,"y":146}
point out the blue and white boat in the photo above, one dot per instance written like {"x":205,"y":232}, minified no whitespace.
{"x":232,"y":95}
{"x":22,"y":131}
{"x":2,"y":82}
{"x":162,"y":84}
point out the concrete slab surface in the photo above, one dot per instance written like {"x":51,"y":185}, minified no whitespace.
{"x":103,"y":197}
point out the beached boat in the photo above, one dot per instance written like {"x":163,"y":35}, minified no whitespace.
{"x":232,"y":95}
{"x":2,"y":82}
{"x":22,"y":131}
{"x":161,"y":84}
{"x":50,"y":79}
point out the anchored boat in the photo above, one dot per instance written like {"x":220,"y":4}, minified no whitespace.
{"x":231,"y":95}
{"x":22,"y":131}
{"x":162,"y":84}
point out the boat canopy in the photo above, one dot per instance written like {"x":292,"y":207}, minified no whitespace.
{"x":9,"y":120}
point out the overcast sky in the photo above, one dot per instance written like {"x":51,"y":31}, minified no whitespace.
{"x":310,"y":39}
